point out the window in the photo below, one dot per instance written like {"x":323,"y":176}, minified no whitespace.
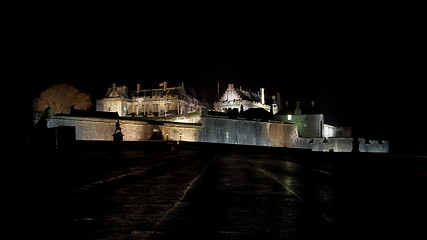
{"x":289,"y":117}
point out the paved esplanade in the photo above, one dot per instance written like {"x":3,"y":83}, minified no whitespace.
{"x":225,"y":195}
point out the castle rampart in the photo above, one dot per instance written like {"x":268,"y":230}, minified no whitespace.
{"x":211,"y":129}
{"x":343,"y":144}
{"x":102,"y":129}
{"x":244,"y":132}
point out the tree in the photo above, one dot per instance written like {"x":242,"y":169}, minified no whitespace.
{"x":60,"y":98}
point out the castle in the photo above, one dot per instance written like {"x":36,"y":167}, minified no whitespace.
{"x":241,"y":100}
{"x":161,"y":102}
{"x":239,"y":117}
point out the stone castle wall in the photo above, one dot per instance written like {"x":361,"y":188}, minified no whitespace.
{"x":101,"y":129}
{"x":215,"y":130}
{"x":343,"y":144}
{"x":373,"y":146}
{"x":244,"y":132}
{"x":180,"y":131}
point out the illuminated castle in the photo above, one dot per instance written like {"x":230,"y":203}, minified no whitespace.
{"x":241,"y":118}
{"x":161,"y":102}
{"x":237,"y":99}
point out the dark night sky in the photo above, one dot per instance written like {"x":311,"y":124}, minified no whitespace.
{"x":364,"y":74}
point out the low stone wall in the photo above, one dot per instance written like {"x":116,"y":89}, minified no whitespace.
{"x":373,"y":146}
{"x":343,"y":145}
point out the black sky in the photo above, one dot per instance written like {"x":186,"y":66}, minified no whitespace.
{"x":362,"y":73}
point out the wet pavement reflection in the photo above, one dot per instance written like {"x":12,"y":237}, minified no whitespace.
{"x":208,"y":194}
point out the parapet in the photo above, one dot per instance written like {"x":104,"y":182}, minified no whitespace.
{"x":343,"y":144}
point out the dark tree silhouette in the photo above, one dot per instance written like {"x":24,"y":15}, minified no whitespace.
{"x":60,"y":98}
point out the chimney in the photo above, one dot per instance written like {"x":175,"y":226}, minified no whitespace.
{"x":279,"y":101}
{"x":297,"y":110}
{"x":218,"y":92}
{"x":164,"y":85}
{"x":262,"y":96}
{"x":114,"y":87}
{"x":125,"y":90}
{"x":138,"y":89}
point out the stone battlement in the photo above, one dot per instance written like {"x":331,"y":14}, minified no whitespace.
{"x":343,"y":144}
{"x":211,"y":130}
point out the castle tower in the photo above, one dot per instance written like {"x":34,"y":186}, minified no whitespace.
{"x":297,"y":110}
{"x":262,"y":96}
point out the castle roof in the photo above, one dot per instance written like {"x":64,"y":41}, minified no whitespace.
{"x":246,"y":95}
{"x":95,"y":114}
{"x":115,"y":92}
{"x":256,"y":114}
{"x":250,"y":96}
{"x":173,"y":91}
{"x":305,"y":110}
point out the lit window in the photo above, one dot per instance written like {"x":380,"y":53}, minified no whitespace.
{"x":289,"y":117}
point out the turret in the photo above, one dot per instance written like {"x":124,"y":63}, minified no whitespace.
{"x":297,"y":108}
{"x":138,"y":89}
{"x":262,"y":96}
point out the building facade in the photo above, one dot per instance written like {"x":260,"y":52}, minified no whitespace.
{"x":237,"y":99}
{"x":161,"y":102}
{"x":116,"y":100}
{"x":310,"y":121}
